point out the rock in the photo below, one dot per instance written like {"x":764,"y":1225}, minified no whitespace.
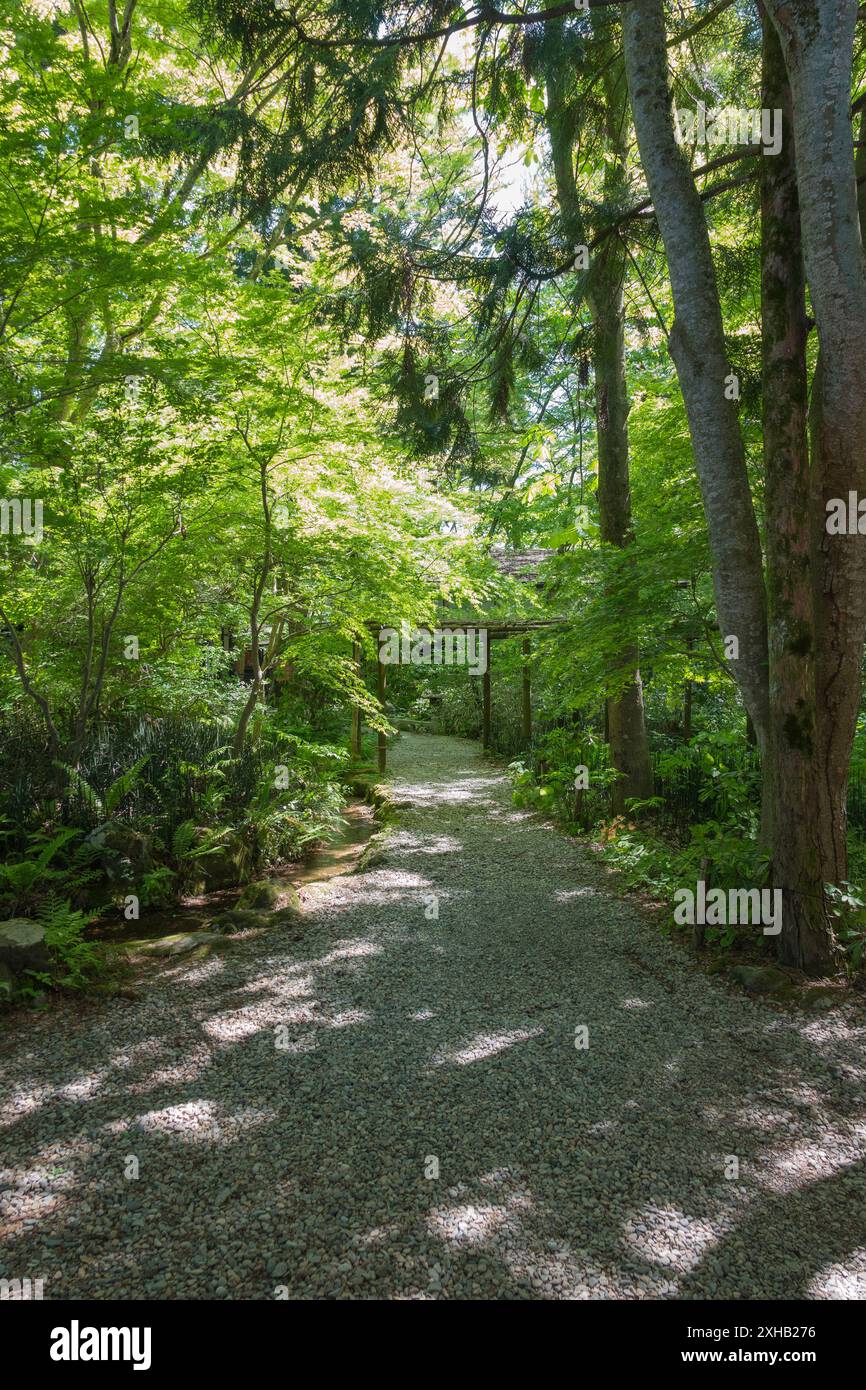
{"x":22,"y":945}
{"x":227,"y":865}
{"x":181,"y":943}
{"x":374,"y":853}
{"x":288,"y":916}
{"x":238,"y":919}
{"x":818,"y":999}
{"x":131,"y":844}
{"x":260,"y":895}
{"x":290,"y":900}
{"x":125,"y":855}
{"x":761,"y":979}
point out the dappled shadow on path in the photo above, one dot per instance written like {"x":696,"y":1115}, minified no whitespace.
{"x":395,"y":1105}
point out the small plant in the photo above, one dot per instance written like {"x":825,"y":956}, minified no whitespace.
{"x":157,"y":887}
{"x":849,"y":911}
{"x":106,"y":805}
{"x":25,"y":881}
{"x":64,"y":932}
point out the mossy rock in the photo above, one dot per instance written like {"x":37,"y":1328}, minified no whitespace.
{"x":22,"y":945}
{"x":179,"y":943}
{"x":290,"y":900}
{"x":262,"y":895}
{"x":227,"y":864}
{"x":238,"y":919}
{"x":761,"y":979}
{"x":373,"y":854}
{"x":287,"y":919}
{"x":114,"y":989}
{"x":817,"y":1000}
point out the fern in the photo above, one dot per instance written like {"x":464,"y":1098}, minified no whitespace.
{"x":182,"y":840}
{"x":105,"y":805}
{"x":64,"y":931}
{"x":124,"y":784}
{"x":183,"y":846}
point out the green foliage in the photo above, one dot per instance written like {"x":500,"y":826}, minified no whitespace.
{"x":720,"y":854}
{"x":236,"y":258}
{"x":24,"y":881}
{"x":76,"y":957}
{"x":106,"y":805}
{"x":157,"y":887}
{"x":848,"y":907}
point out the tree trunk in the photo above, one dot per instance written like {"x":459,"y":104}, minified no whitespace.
{"x":247,"y":713}
{"x":817,"y":45}
{"x":629,"y":746}
{"x":625,"y":722}
{"x":697,"y":345}
{"x":792,"y":801}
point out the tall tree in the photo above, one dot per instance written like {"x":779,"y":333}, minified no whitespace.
{"x":626,"y":724}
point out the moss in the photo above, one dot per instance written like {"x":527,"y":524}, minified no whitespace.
{"x":798,"y":726}
{"x":374,"y":853}
{"x":260,"y":895}
{"x":801,"y":643}
{"x":238,"y":919}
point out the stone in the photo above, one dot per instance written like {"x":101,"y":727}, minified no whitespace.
{"x":264,"y":894}
{"x":125,"y":854}
{"x":22,"y":945}
{"x":238,"y":919}
{"x":227,"y":865}
{"x":819,"y":999}
{"x":130,"y":844}
{"x":290,"y":899}
{"x":287,"y":916}
{"x":181,"y":943}
{"x":761,"y":979}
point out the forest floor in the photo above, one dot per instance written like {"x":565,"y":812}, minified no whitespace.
{"x":412,"y":1044}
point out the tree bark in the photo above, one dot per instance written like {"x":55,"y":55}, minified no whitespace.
{"x":629,"y":746}
{"x":816,"y":39}
{"x":697,"y":345}
{"x":792,"y":799}
{"x":626,"y":724}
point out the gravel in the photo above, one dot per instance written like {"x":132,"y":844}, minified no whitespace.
{"x":394,"y":1103}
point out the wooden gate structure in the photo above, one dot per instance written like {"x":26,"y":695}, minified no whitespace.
{"x":522,"y":565}
{"x":496,"y":630}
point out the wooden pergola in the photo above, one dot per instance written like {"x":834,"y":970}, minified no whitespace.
{"x":522,"y":565}
{"x":496,"y":629}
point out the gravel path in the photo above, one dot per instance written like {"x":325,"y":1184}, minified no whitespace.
{"x":414,"y":1044}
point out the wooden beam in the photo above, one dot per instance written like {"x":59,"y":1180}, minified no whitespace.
{"x":527,"y":693}
{"x":355,"y":744}
{"x":380,"y":687}
{"x":494,"y":627}
{"x":485,"y":691}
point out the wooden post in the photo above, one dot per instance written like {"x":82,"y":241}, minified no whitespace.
{"x":355,"y":745}
{"x":527,"y":693}
{"x":380,"y":686}
{"x":485,"y":691}
{"x":687,"y":700}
